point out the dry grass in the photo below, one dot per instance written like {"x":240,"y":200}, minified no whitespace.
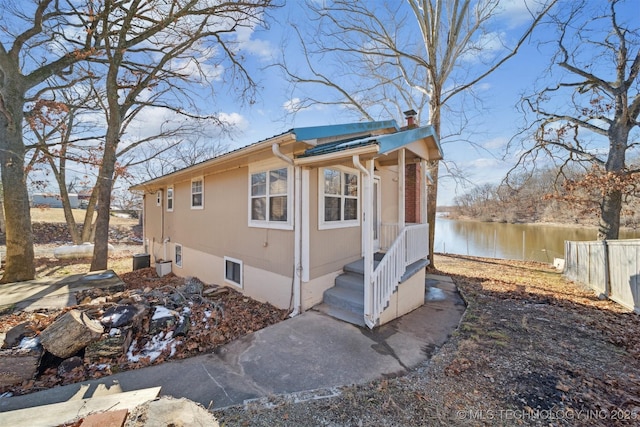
{"x":56,"y":215}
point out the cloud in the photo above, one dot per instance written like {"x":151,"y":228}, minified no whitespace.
{"x":484,"y":48}
{"x":293,"y":105}
{"x":238,"y":121}
{"x":484,"y":163}
{"x":516,"y":12}
{"x":496,"y":143}
{"x":263,"y":49}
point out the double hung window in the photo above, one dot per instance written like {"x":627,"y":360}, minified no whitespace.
{"x":269,"y":198}
{"x":339,"y":202}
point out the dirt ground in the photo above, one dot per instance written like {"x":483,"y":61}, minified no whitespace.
{"x":532,"y":349}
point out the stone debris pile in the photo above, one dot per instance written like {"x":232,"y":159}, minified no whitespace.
{"x":146,"y":321}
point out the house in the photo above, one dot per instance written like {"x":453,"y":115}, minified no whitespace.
{"x":52,"y":200}
{"x":304,"y":219}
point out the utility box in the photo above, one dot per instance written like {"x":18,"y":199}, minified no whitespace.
{"x":141,"y":261}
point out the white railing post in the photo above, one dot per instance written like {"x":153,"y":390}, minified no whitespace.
{"x":410,"y":246}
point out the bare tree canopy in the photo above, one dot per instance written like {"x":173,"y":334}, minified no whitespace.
{"x":140,"y":53}
{"x":589,"y":114}
{"x":377,"y":59}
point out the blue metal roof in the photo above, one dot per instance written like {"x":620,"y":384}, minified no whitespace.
{"x":387,"y":142}
{"x":316,"y":132}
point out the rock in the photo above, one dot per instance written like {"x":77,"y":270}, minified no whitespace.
{"x":168,"y":411}
{"x":15,"y":334}
{"x":162,"y":319}
{"x":17,"y":366}
{"x":183,"y":326}
{"x":69,"y":333}
{"x":192,"y":285}
{"x":122,"y":315}
{"x":109,"y":346}
{"x":68,"y":365}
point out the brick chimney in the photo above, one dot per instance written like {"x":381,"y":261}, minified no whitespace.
{"x":410,"y":115}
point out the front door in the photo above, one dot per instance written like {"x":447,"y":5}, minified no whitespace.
{"x":376,"y":214}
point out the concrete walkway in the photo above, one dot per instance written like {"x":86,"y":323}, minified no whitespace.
{"x":310,"y":352}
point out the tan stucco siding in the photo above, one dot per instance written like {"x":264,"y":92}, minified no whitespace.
{"x":329,"y":249}
{"x":389,"y":194}
{"x":221,"y":227}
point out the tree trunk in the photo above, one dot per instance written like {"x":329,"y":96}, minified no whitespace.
{"x":105,"y":185}
{"x":2,"y":228}
{"x":610,"y":209}
{"x":432,"y":203}
{"x":89,"y":227}
{"x":611,"y":204}
{"x":19,"y":237}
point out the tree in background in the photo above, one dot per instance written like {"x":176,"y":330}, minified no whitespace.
{"x":35,"y":45}
{"x":378,"y":59}
{"x":149,"y":52}
{"x":138,"y":50}
{"x":589,"y":115}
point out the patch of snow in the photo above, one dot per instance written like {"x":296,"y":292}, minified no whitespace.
{"x":435,"y":294}
{"x":6,"y":394}
{"x":113,"y":332}
{"x":101,"y":366}
{"x":154,"y":348}
{"x":111,"y":318}
{"x":28,"y":343}
{"x":161,"y":313}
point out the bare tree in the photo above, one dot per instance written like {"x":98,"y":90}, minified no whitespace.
{"x":590,"y":115}
{"x":35,"y":45}
{"x":151,"y":49}
{"x":380,"y":59}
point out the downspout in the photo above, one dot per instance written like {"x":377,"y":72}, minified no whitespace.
{"x":366,"y":242}
{"x":297,"y":228}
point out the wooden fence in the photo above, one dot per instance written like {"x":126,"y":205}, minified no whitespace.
{"x":611,"y":268}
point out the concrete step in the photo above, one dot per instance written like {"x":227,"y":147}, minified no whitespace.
{"x":345,"y":298}
{"x":340,"y":314}
{"x":350,"y":281}
{"x":357,"y":267}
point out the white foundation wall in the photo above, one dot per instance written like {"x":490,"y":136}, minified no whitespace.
{"x":313,"y":291}
{"x":408,"y":297}
{"x":258,"y":284}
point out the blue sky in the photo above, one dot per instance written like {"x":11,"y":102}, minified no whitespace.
{"x":493,"y":124}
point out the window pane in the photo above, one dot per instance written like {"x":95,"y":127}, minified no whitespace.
{"x":332,"y":181}
{"x":232,"y":271}
{"x":332,"y":208}
{"x":259,"y":209}
{"x":196,"y":199}
{"x":259,"y":184}
{"x":196,"y":186}
{"x":178,"y":255}
{"x":278,"y":208}
{"x":278,"y":181}
{"x":350,"y":209}
{"x":350,"y":185}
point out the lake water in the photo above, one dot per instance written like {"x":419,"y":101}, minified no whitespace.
{"x":533,"y":242}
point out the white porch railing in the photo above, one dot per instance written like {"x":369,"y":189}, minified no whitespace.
{"x":411,"y":244}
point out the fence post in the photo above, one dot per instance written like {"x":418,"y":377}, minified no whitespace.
{"x":607,"y":280}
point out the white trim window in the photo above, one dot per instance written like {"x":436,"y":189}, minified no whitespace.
{"x":178,"y":255}
{"x":170,"y":198}
{"x":159,"y":198}
{"x":338,"y":204}
{"x":270,"y":198}
{"x":233,"y":271}
{"x":197,"y":193}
